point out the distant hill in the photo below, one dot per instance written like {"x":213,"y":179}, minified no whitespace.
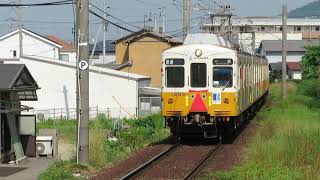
{"x":311,"y":10}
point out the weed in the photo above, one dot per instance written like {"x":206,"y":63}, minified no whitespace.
{"x":287,"y":144}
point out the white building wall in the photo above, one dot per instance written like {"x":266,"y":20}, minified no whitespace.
{"x":246,"y":38}
{"x":275,"y":57}
{"x":72,"y":56}
{"x":58,"y":86}
{"x":296,"y":75}
{"x":31,"y":46}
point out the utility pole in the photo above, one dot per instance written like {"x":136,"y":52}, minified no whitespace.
{"x":162,"y":14}
{"x":186,"y":17}
{"x":163,"y":21}
{"x":104,"y":30}
{"x":155,"y":22}
{"x":77,"y":39}
{"x":83,"y":147}
{"x":284,"y":51}
{"x":20,"y":30}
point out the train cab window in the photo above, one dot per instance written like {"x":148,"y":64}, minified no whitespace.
{"x":222,"y":77}
{"x":198,"y":75}
{"x":175,"y":77}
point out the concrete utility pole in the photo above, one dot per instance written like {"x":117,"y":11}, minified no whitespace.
{"x":20,"y":30}
{"x":76,"y":29}
{"x":163,"y":14}
{"x":84,"y":81}
{"x":186,"y":17}
{"x":284,"y":51}
{"x":104,"y":31}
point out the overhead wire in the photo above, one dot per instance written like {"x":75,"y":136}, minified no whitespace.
{"x":54,"y":3}
{"x":110,"y":22}
{"x":108,"y":14}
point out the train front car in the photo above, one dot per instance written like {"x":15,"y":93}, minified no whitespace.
{"x":199,"y":92}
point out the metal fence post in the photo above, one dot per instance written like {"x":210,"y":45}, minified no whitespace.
{"x":97,"y":111}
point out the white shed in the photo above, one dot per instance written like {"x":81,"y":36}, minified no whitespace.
{"x":33,"y":44}
{"x":112,"y":92}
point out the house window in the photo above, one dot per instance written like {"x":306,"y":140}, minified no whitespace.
{"x":297,"y":28}
{"x":317,"y":28}
{"x":262,"y":28}
{"x":14,"y":53}
{"x":241,"y":29}
{"x":64,"y":57}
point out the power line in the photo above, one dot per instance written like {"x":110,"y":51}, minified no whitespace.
{"x":54,"y":3}
{"x":121,"y":27}
{"x":115,"y":17}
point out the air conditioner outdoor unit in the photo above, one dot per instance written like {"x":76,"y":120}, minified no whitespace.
{"x":44,"y":145}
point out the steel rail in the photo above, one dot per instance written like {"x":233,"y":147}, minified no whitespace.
{"x":201,"y":164}
{"x":139,"y":169}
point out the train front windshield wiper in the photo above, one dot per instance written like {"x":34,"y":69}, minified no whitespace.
{"x":227,"y":83}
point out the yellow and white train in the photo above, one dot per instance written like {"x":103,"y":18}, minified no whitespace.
{"x":208,"y":86}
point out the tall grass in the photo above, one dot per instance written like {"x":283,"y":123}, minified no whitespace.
{"x":287,"y":143}
{"x":134,"y":135}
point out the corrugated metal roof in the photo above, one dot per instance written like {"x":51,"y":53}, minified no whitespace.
{"x":16,"y":77}
{"x":292,"y":45}
{"x":8,"y":74}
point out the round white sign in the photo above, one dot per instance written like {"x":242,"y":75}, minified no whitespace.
{"x":83,"y":65}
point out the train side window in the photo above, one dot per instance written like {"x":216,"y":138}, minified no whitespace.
{"x":198,"y":75}
{"x":222,"y":77}
{"x":175,"y":77}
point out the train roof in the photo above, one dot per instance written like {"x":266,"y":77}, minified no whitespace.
{"x":205,"y":38}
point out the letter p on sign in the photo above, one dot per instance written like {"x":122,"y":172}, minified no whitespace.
{"x":83,"y":65}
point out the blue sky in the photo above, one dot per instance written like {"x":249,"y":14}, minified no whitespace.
{"x":58,"y":20}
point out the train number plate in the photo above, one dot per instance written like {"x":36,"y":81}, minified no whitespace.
{"x":216,"y":98}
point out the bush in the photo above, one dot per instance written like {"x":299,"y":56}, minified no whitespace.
{"x":310,"y":88}
{"x":310,"y":63}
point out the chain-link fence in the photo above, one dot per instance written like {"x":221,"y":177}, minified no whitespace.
{"x":71,"y":113}
{"x":149,"y":105}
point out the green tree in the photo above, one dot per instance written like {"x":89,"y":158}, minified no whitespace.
{"x":310,"y":63}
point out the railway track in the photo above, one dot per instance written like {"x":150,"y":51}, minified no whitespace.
{"x":152,"y":161}
{"x":191,"y":174}
{"x":201,"y":164}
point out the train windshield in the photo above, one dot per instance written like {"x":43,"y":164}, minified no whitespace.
{"x":175,"y":77}
{"x":222,"y":77}
{"x":198,"y":75}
